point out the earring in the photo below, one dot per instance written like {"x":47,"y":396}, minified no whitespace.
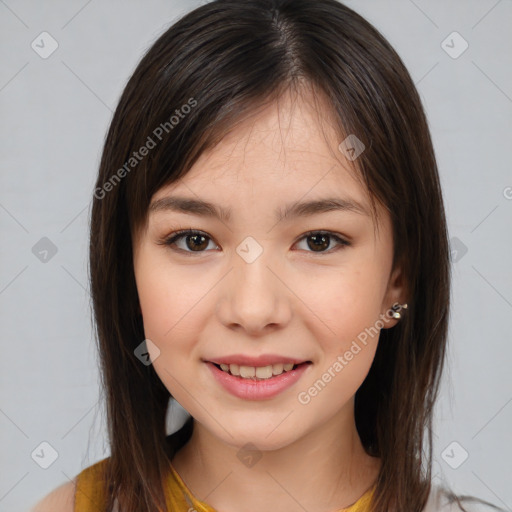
{"x":396,"y":308}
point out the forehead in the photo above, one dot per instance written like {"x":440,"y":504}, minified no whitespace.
{"x":288,"y":149}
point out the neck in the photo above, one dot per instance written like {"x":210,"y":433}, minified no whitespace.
{"x":323,"y":471}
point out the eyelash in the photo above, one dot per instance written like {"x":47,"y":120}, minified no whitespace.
{"x":173,"y":237}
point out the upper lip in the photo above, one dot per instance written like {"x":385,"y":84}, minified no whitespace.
{"x":262,"y":360}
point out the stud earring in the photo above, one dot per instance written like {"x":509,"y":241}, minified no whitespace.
{"x":396,"y":310}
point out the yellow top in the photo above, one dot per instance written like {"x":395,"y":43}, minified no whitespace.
{"x":89,"y":496}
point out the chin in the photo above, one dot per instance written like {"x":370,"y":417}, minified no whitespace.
{"x":264,"y":436}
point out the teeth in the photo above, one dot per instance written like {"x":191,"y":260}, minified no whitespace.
{"x":264,"y":372}
{"x":277,"y":369}
{"x":247,"y":371}
{"x":260,"y":372}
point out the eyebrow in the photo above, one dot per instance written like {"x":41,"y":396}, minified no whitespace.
{"x":298,"y":209}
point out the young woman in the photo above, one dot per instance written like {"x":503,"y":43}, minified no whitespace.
{"x":269,"y":248}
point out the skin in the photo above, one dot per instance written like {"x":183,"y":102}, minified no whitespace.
{"x":292,"y":301}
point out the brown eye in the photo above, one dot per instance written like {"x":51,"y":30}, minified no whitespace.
{"x":197,"y":242}
{"x":318,"y":241}
{"x":194,"y":241}
{"x":190,"y":241}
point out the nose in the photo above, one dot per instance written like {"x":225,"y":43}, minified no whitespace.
{"x":254,"y":297}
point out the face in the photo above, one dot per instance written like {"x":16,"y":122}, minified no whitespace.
{"x":263,"y":286}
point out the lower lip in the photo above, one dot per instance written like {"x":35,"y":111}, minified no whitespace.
{"x":250,"y":389}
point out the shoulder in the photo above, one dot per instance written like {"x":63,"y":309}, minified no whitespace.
{"x":78,"y":494}
{"x":443,"y":499}
{"x":61,"y":499}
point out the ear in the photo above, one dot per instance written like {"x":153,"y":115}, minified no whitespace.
{"x":396,"y":293}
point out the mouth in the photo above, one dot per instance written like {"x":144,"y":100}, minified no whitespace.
{"x":258,"y":372}
{"x":273,"y":376}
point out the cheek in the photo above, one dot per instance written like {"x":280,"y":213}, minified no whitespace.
{"x":171,"y":304}
{"x":347,"y":339}
{"x":156,"y":305}
{"x":341,"y":303}
{"x":168,"y":297}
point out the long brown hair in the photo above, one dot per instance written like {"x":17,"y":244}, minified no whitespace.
{"x":209,"y":70}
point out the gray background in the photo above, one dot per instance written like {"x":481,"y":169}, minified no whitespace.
{"x":54,"y":115}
